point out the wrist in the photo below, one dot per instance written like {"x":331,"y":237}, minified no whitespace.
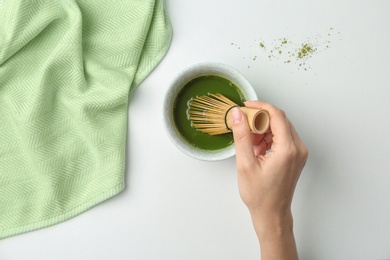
{"x":266,"y":224}
{"x":276,"y":236}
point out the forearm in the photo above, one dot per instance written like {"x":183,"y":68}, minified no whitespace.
{"x":276,"y":237}
{"x":267,"y":180}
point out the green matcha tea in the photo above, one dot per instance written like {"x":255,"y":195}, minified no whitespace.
{"x":204,"y":85}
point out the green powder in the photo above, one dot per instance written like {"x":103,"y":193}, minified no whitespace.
{"x":293,"y":52}
{"x":306,"y":50}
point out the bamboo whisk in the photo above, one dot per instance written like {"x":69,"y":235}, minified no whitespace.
{"x":211,"y":114}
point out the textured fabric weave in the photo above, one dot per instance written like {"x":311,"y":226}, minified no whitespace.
{"x":67,"y":68}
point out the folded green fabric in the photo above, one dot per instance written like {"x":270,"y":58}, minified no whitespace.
{"x":67,"y":68}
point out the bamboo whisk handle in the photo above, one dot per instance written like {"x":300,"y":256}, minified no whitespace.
{"x":258,"y":120}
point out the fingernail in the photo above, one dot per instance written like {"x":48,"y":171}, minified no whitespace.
{"x":236,"y":115}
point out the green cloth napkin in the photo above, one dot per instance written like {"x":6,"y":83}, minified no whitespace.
{"x":67,"y":68}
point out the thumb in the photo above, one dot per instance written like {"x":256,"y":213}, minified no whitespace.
{"x":242,"y":138}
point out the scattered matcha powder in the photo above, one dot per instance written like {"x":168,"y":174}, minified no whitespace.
{"x":305,"y":51}
{"x":300,"y":55}
{"x":235,"y":44}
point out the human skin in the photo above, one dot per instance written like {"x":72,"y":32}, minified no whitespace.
{"x":268,"y":168}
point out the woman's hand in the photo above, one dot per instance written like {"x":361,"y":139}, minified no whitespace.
{"x":267,"y":180}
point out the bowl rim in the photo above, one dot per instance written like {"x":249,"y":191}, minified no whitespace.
{"x":174,"y":87}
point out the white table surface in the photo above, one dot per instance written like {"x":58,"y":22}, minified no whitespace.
{"x":176,"y":207}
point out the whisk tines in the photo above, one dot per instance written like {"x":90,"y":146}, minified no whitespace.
{"x":208,"y":113}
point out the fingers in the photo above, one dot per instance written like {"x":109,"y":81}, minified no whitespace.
{"x":242,"y":139}
{"x":280,"y":135}
{"x":261,"y":143}
{"x":256,"y":138}
{"x":279,"y":124}
{"x":261,"y":148}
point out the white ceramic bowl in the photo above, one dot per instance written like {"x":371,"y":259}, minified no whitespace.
{"x":190,"y":73}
